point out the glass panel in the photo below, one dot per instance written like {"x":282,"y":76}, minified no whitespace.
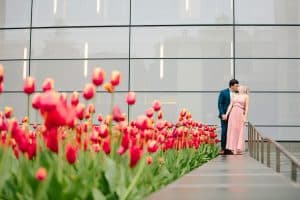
{"x":14,"y":44}
{"x":281,"y":133}
{"x":191,"y":42}
{"x":81,"y":72}
{"x":80,"y":43}
{"x":268,"y":41}
{"x":15,"y":13}
{"x":274,"y":109}
{"x":269,"y":75}
{"x":16,"y":100}
{"x":102,"y":105}
{"x":181,"y":12}
{"x":179,"y":74}
{"x":267,"y":12}
{"x":14,"y":73}
{"x":80,"y":13}
{"x":203,"y":106}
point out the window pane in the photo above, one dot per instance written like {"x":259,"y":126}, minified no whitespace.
{"x":181,"y":12}
{"x":14,"y":44}
{"x":14,"y":73}
{"x":203,"y":106}
{"x":269,"y":75}
{"x":15,"y":13}
{"x":80,"y":13}
{"x":80,"y":43}
{"x":267,"y":12}
{"x":191,"y":42}
{"x":179,"y":74}
{"x":80,"y":73}
{"x":268,"y":41}
{"x":274,"y":109}
{"x":281,"y":133}
{"x":16,"y":100}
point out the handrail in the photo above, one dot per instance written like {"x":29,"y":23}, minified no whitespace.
{"x":256,"y":149}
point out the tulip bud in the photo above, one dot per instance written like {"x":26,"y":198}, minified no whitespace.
{"x":115,"y":78}
{"x":41,"y":174}
{"x":89,"y":91}
{"x":1,"y":73}
{"x":149,"y":160}
{"x":131,"y":98}
{"x":74,"y":98}
{"x":71,"y":153}
{"x":156,"y":105}
{"x":98,"y":76}
{"x":48,"y":84}
{"x":108,"y":87}
{"x":8,"y":111}
{"x":29,"y":85}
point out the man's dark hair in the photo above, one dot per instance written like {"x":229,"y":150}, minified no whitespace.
{"x":233,"y":82}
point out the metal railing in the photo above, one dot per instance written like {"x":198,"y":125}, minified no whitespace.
{"x":256,"y":146}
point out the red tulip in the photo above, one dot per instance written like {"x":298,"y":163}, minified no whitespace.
{"x":36,"y":101}
{"x":89,"y":91}
{"x":1,"y":73}
{"x":31,"y":150}
{"x":152,"y":146}
{"x":51,"y":138}
{"x":48,"y":101}
{"x":149,"y":160}
{"x":149,"y":112}
{"x":106,"y":146}
{"x":131,"y":98}
{"x":71,"y":153}
{"x":156,"y":105}
{"x":1,"y":87}
{"x":135,"y":155}
{"x":48,"y":84}
{"x":108,"y":87}
{"x":117,"y":115}
{"x":103,"y":131}
{"x":98,"y":76}
{"x":100,"y":118}
{"x":8,"y":111}
{"x":115,"y":78}
{"x":80,"y":111}
{"x":29,"y":85}
{"x":91,"y":108}
{"x":41,"y":174}
{"x":74,"y":98}
{"x":160,"y":115}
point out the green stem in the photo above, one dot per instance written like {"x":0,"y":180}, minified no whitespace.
{"x":135,"y":180}
{"x":28,"y":105}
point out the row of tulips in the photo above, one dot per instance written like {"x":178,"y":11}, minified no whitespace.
{"x":69,"y":156}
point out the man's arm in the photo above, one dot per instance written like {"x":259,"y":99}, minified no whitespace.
{"x":221,"y":104}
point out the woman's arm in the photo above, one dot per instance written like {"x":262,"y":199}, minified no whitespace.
{"x":228,"y":109}
{"x":246,"y":108}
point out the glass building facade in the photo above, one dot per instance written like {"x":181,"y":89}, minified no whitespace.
{"x":182,"y":52}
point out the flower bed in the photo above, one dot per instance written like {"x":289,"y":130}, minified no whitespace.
{"x":70,"y":157}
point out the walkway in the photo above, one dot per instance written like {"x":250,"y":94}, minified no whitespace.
{"x":232,"y":177}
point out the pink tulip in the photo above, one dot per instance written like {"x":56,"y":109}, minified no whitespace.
{"x":1,"y":73}
{"x":8,"y":111}
{"x":74,"y":98}
{"x":36,"y":101}
{"x":89,"y":91}
{"x":100,"y":118}
{"x":48,"y":84}
{"x":29,"y":85}
{"x":115,"y":78}
{"x":98,"y":76}
{"x":152,"y":146}
{"x":131,"y":98}
{"x":149,"y":112}
{"x":156,"y":105}
{"x":80,"y":108}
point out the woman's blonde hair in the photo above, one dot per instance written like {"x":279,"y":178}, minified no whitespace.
{"x":243,"y":89}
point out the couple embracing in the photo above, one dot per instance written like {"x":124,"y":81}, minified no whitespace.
{"x":233,"y":105}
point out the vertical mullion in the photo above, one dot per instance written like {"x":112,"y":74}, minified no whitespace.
{"x":233,"y":35}
{"x":129,"y":58}
{"x":30,"y":39}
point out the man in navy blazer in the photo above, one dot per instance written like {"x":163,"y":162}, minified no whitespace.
{"x":223,"y":103}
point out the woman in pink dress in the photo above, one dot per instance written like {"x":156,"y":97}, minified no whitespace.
{"x":237,"y":115}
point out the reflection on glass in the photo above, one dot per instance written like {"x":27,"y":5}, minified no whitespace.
{"x":86,"y":49}
{"x":98,"y":6}
{"x":25,"y":63}
{"x":54,"y":6}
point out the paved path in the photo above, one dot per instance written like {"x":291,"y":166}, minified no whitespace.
{"x":235,"y":177}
